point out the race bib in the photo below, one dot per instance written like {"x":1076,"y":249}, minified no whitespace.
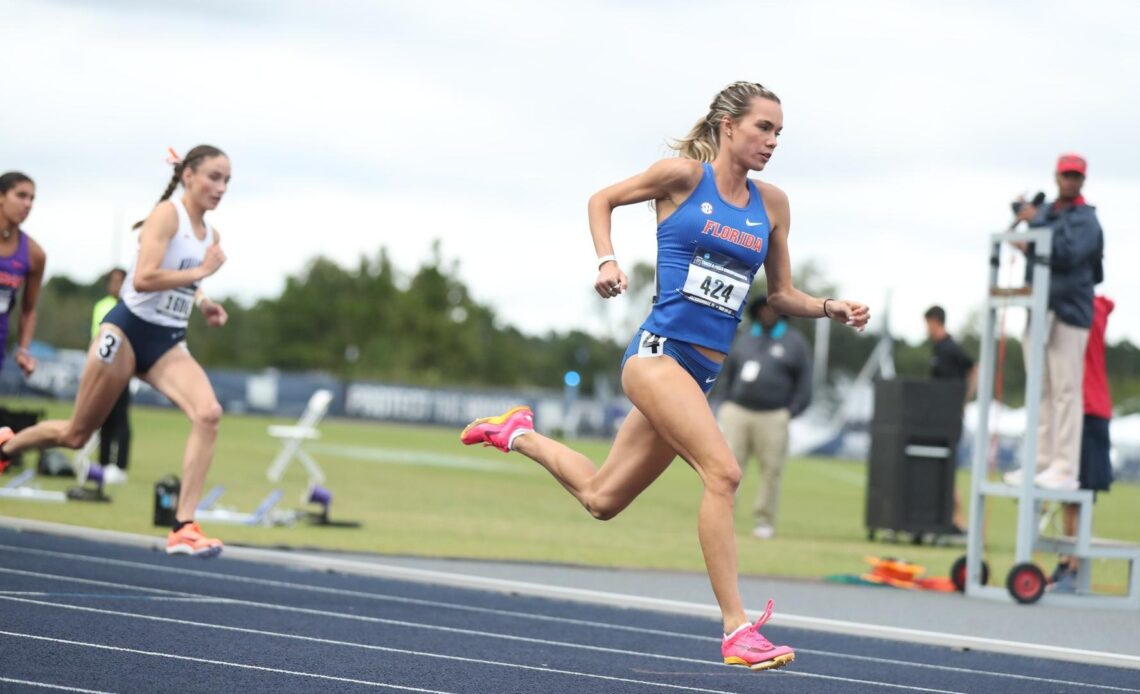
{"x":108,"y":346}
{"x":717,"y":281}
{"x":6,"y":294}
{"x":651,"y":345}
{"x":176,"y":303}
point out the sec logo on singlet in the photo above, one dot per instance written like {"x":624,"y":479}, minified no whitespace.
{"x":706,"y":207}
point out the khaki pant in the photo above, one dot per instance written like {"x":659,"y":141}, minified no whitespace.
{"x":1061,"y":414}
{"x":764,"y":435}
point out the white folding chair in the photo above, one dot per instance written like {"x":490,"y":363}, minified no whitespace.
{"x":292,"y":438}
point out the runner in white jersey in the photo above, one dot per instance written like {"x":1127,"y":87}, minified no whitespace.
{"x":185,"y":250}
{"x":144,"y":335}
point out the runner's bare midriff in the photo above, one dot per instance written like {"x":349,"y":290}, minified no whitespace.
{"x":716,"y":356}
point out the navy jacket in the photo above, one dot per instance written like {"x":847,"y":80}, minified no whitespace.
{"x":767,"y":370}
{"x":1076,"y":265}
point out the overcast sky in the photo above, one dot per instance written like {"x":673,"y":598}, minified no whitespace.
{"x":909,"y":126}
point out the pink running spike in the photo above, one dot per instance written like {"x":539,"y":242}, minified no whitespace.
{"x":747,"y":647}
{"x":499,"y":431}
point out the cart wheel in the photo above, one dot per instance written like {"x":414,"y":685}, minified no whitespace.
{"x":1026,"y":583}
{"x":958,"y":573}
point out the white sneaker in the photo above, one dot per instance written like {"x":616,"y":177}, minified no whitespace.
{"x":1051,"y":479}
{"x":1013,"y":477}
{"x":763,"y":532}
{"x":112,"y":474}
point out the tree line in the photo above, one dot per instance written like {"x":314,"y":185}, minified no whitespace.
{"x":373,"y":321}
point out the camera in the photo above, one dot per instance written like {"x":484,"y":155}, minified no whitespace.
{"x":1037,"y":201}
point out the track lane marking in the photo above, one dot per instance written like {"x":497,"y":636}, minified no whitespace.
{"x":596,"y":597}
{"x":208,"y":661}
{"x":372,"y":647}
{"x":524,"y":615}
{"x":314,"y":639}
{"x":58,"y":687}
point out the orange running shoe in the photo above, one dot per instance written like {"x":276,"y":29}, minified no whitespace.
{"x":190,"y":540}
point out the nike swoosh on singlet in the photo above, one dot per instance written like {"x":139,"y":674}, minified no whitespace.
{"x":710,"y":380}
{"x":753,"y":224}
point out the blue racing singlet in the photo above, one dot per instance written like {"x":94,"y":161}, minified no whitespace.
{"x":708,"y":251}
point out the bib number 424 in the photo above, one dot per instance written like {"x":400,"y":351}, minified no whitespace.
{"x":717,"y":289}
{"x":717,"y":281}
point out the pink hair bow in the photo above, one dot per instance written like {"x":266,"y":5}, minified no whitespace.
{"x":172,"y":157}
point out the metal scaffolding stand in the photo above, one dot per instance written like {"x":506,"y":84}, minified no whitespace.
{"x":1026,"y":582}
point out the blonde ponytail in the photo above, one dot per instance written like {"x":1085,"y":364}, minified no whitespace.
{"x":703,"y":141}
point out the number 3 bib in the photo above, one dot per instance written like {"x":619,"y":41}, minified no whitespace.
{"x":717,"y":281}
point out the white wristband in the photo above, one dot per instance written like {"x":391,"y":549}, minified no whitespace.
{"x":605,"y":259}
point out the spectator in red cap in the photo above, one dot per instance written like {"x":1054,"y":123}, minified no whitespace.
{"x":1075,"y":267}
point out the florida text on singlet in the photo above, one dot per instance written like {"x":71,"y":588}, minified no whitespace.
{"x":171,"y":307}
{"x":708,"y":251}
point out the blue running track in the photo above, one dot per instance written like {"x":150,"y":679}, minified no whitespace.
{"x":77,"y":615}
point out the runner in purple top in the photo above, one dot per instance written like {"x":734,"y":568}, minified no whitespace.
{"x":21,"y":265}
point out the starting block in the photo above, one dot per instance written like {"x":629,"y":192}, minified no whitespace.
{"x":267,"y":513}
{"x":264,"y":514}
{"x":18,"y":488}
{"x":292,"y":439}
{"x":87,"y":471}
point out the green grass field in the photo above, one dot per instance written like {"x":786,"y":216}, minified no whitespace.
{"x":419,"y":492}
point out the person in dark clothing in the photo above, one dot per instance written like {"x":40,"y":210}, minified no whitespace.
{"x":765,"y":382}
{"x":949,"y":362}
{"x":1075,"y":267}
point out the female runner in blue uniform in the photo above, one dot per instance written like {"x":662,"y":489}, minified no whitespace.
{"x":145,"y":334}
{"x":715,"y":228}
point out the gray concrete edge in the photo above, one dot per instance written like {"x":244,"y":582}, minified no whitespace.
{"x":300,"y":559}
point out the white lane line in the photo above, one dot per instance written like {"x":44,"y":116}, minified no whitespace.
{"x":58,"y":687}
{"x":171,"y":595}
{"x":392,"y":456}
{"x":967,"y":671}
{"x":525,"y":615}
{"x":315,"y":639}
{"x":836,"y":678}
{"x":595,"y":597}
{"x":383,"y":620}
{"x":114,"y":596}
{"x":88,"y":581}
{"x":208,"y":661}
